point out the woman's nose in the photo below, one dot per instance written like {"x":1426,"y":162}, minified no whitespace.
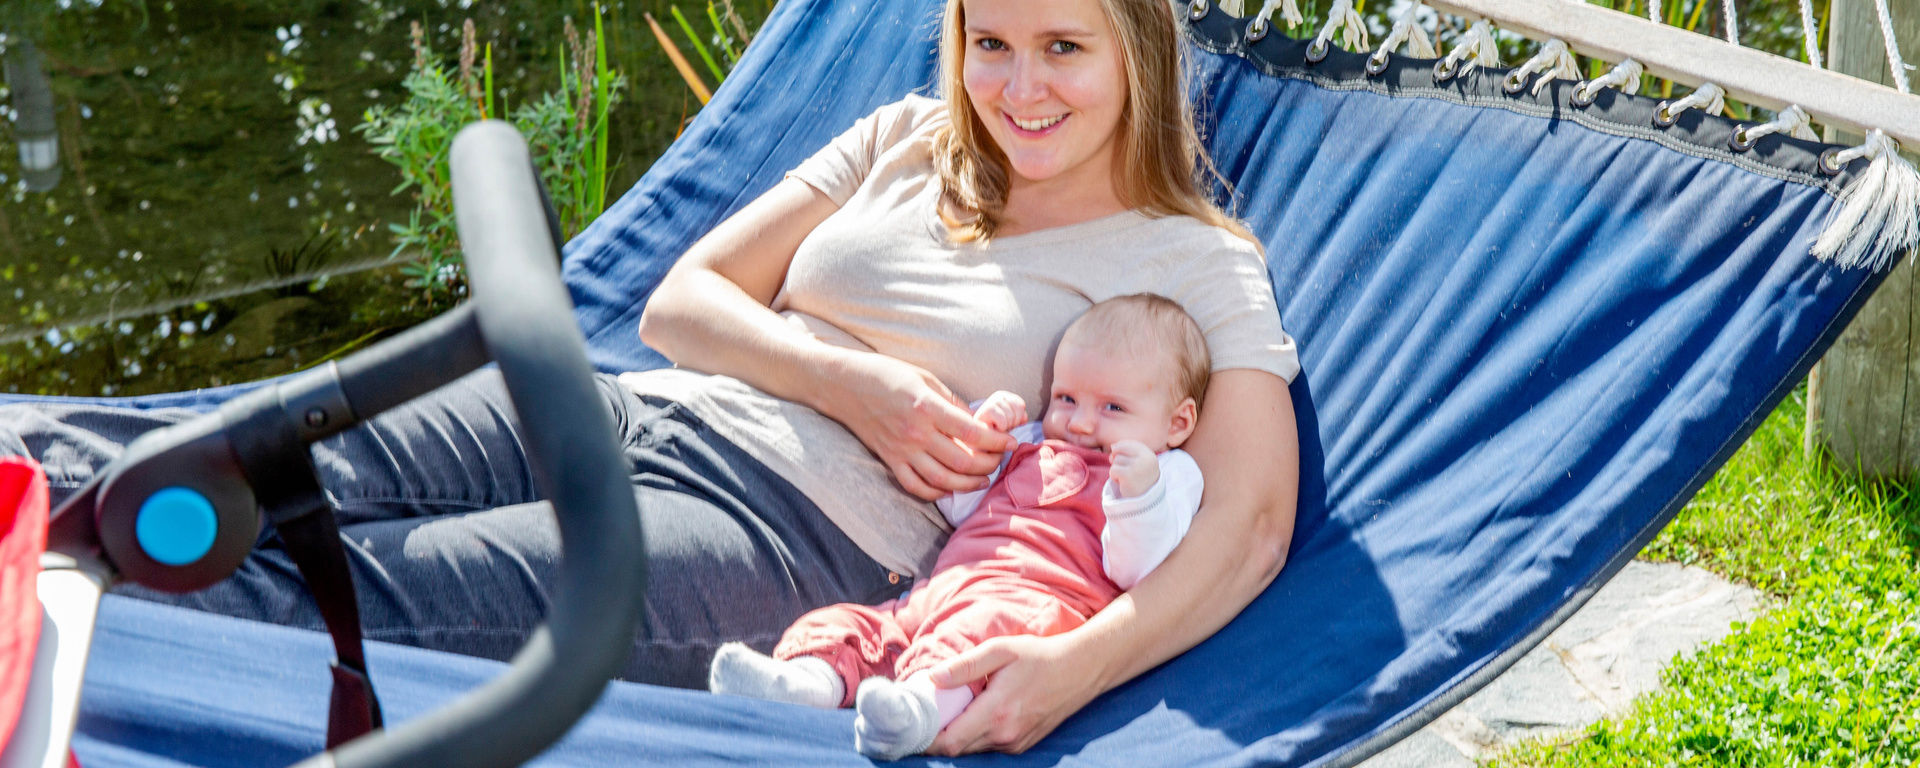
{"x":1026,"y":84}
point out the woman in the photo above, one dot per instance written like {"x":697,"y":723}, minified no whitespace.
{"x":930,"y":255}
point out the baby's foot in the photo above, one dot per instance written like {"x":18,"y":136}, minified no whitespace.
{"x":807,"y":680}
{"x":895,"y":719}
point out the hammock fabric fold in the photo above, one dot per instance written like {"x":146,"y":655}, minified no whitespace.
{"x":1530,"y":330}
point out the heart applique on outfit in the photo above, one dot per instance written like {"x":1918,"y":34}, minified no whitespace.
{"x":1054,"y":475}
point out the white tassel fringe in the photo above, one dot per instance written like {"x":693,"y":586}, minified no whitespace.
{"x":1878,"y":217}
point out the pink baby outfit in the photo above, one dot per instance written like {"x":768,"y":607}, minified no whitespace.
{"x":1026,"y":562}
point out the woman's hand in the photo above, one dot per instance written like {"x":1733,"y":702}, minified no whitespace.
{"x":915,"y":425}
{"x":1033,"y":686}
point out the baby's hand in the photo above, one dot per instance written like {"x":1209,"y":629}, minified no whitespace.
{"x":1135,"y":469}
{"x":1002,"y":410}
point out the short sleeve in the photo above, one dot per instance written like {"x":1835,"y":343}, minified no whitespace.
{"x":1228,"y":292}
{"x":840,"y":167}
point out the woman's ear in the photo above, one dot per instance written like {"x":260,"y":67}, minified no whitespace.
{"x":1186,"y":416}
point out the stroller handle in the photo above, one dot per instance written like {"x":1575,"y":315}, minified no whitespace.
{"x":525,"y":320}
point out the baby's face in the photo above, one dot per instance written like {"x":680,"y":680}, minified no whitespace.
{"x":1102,"y":396}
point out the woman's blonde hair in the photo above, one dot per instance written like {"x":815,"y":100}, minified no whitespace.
{"x":1158,"y":171}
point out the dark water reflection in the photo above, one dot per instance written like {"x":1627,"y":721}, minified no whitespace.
{"x":209,"y":171}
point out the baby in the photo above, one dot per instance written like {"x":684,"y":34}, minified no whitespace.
{"x":1067,"y":523}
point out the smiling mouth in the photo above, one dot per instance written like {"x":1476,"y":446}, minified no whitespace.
{"x":1036,"y":125}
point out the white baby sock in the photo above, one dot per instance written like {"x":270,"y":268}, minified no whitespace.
{"x":897,"y":719}
{"x":806,"y":680}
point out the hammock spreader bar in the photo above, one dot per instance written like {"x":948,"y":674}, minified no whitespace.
{"x":1880,"y":217}
{"x":1756,"y":77}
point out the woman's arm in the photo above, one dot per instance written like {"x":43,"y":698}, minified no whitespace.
{"x":1247,"y":446}
{"x":712,"y":313}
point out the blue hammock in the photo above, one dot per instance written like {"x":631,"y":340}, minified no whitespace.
{"x":1530,"y":330}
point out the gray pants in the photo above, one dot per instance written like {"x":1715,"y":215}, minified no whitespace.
{"x":451,"y":549}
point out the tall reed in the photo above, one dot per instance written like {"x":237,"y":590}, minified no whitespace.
{"x":567,"y":130}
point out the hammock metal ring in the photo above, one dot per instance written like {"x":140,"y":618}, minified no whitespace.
{"x":1741,"y":141}
{"x":1197,"y":10}
{"x":1257,"y":29}
{"x":1376,"y":64}
{"x":1515,"y":83}
{"x":1584,"y":94}
{"x":1664,"y":116}
{"x":1444,"y":70}
{"x":1317,"y":52}
{"x":1830,"y":162}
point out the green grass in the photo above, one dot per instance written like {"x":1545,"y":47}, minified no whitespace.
{"x":1760,"y":519}
{"x":1830,"y":677}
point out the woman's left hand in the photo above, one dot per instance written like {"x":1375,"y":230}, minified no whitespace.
{"x":1032,"y":686}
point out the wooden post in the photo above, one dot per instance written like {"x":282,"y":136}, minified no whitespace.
{"x":1863,"y":399}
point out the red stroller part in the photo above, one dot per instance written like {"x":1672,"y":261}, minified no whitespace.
{"x":23,"y":536}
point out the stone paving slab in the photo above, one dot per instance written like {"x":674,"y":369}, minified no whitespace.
{"x":1592,"y":666}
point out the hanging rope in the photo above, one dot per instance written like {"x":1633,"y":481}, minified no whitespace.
{"x":1894,"y":62}
{"x":1625,"y":76}
{"x":1733,"y":21}
{"x":1553,"y":62}
{"x":1343,"y":19}
{"x":1794,"y":120}
{"x":1406,"y":30}
{"x":1476,"y":48}
{"x":1811,"y":34}
{"x":1708,"y":98}
{"x":1878,"y":215}
{"x":1289,"y":12}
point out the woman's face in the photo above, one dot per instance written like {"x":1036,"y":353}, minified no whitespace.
{"x":1046,"y":78}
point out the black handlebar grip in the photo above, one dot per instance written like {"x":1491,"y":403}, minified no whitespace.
{"x":525,"y":321}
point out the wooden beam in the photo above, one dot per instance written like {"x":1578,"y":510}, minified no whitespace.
{"x":1756,"y":77}
{"x":1863,"y":399}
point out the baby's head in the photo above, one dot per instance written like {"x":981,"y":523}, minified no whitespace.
{"x":1131,"y":368}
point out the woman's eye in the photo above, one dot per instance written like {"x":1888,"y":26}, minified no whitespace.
{"x":1062,"y":46}
{"x":990,"y":44}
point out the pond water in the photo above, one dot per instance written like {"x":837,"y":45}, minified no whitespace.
{"x":215,"y":216}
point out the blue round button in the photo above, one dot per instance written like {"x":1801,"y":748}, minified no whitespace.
{"x":176,"y":526}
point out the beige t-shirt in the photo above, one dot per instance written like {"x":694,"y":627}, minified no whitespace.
{"x":881,"y":275}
